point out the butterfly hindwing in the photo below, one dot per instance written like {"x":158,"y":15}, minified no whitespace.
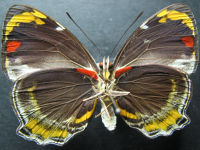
{"x":50,"y":106}
{"x":159,"y":96}
{"x":33,"y":41}
{"x":169,"y":38}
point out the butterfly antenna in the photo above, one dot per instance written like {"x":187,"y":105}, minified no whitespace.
{"x":126,"y":31}
{"x":84,"y":33}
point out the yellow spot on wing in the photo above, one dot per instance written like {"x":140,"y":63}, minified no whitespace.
{"x":6,"y":63}
{"x":150,"y":127}
{"x":164,"y":123}
{"x":176,"y":15}
{"x":31,"y":89}
{"x":87,"y":115}
{"x":194,"y":55}
{"x":163,"y":13}
{"x":173,"y":85}
{"x":39,"y":14}
{"x":169,"y":119}
{"x":41,"y":129}
{"x":25,"y":17}
{"x":127,"y":114}
{"x":174,"y":116}
{"x":32,"y":123}
{"x":37,"y":127}
{"x":59,"y":133}
{"x":32,"y":99}
{"x":172,"y":93}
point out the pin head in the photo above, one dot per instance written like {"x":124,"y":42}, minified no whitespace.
{"x":117,"y":111}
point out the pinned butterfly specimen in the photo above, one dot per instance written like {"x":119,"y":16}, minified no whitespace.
{"x":57,"y":83}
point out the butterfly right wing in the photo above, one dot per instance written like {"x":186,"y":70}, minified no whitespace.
{"x":154,"y":66}
{"x":49,"y":104}
{"x":33,"y":41}
{"x":158,"y":99}
{"x":169,"y":37}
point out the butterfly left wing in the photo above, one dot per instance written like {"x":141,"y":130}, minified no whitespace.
{"x":53,"y":74}
{"x":158,"y":99}
{"x":33,"y":41}
{"x":50,"y":106}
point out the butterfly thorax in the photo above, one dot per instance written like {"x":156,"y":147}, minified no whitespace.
{"x":107,"y":92}
{"x":105,"y":87}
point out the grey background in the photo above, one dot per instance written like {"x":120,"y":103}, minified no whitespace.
{"x":104,"y":21}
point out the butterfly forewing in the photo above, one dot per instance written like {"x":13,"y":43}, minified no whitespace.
{"x":169,"y":38}
{"x":50,"y":105}
{"x":33,"y":41}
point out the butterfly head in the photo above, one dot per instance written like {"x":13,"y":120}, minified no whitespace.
{"x":105,"y":67}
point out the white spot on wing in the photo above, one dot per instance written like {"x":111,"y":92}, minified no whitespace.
{"x":15,"y":72}
{"x":147,"y":41}
{"x":62,"y":27}
{"x":59,"y":29}
{"x":144,"y":26}
{"x":186,"y":65}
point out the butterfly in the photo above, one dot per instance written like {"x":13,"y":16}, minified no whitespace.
{"x":57,"y":83}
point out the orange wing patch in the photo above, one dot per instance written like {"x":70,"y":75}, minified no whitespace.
{"x":12,"y":46}
{"x":88,"y":72}
{"x":122,"y":70}
{"x":188,"y":41}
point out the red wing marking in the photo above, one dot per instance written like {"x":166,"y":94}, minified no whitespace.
{"x":88,"y":72}
{"x":188,"y":41}
{"x":12,"y":46}
{"x":122,"y":70}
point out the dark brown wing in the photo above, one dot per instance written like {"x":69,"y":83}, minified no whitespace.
{"x":34,"y":41}
{"x":50,"y":106}
{"x":169,"y":38}
{"x":159,"y":96}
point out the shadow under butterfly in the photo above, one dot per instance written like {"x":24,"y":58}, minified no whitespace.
{"x":57,"y":82}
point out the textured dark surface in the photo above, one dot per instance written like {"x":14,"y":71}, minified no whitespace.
{"x":104,"y":22}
